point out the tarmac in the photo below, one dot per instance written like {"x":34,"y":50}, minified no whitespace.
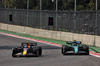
{"x":51,"y":55}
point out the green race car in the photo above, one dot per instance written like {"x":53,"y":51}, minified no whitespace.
{"x":74,"y":47}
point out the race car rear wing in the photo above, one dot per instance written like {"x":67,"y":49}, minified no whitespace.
{"x":71,"y":42}
{"x":78,"y":42}
{"x":31,"y":44}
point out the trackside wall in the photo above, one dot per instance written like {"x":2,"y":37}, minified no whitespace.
{"x":58,"y":35}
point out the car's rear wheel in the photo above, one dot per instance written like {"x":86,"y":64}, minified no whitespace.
{"x":40,"y":51}
{"x":37,"y":53}
{"x":14,"y":51}
{"x":86,"y":48}
{"x":64,"y":48}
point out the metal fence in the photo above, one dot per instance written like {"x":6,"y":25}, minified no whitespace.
{"x":85,"y":20}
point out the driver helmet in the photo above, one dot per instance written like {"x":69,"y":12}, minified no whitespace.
{"x":74,"y":41}
{"x":28,"y":44}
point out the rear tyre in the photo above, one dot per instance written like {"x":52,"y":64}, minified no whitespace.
{"x":37,"y":53}
{"x":64,"y":48}
{"x":86,"y":48}
{"x":13,"y":55}
{"x":14,"y":51}
{"x":40,"y":51}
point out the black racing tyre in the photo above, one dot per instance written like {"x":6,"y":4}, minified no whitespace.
{"x":86,"y":48}
{"x":37,"y":52}
{"x":13,"y":55}
{"x":14,"y":51}
{"x":80,"y":48}
{"x":64,"y":49}
{"x":83,"y":45}
{"x":40,"y":51}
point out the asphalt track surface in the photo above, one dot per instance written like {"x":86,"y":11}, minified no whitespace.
{"x":51,"y":55}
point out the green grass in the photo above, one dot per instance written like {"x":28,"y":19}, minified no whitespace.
{"x":95,"y":48}
{"x":45,"y":39}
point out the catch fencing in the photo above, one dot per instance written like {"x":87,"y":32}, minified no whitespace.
{"x":85,"y":20}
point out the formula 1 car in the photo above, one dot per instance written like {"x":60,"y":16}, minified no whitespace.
{"x":74,"y":47}
{"x":27,"y":49}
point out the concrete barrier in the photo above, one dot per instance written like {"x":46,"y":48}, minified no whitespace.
{"x":88,"y":39}
{"x":28,"y":30}
{"x":78,"y":37}
{"x":68,"y":36}
{"x":63,"y":36}
{"x":4,"y":26}
{"x":0,"y":25}
{"x":36,"y":33}
{"x":42,"y":33}
{"x":19,"y":29}
{"x":10,"y":27}
{"x":97,"y":42}
{"x":58,"y":35}
{"x":49,"y":34}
